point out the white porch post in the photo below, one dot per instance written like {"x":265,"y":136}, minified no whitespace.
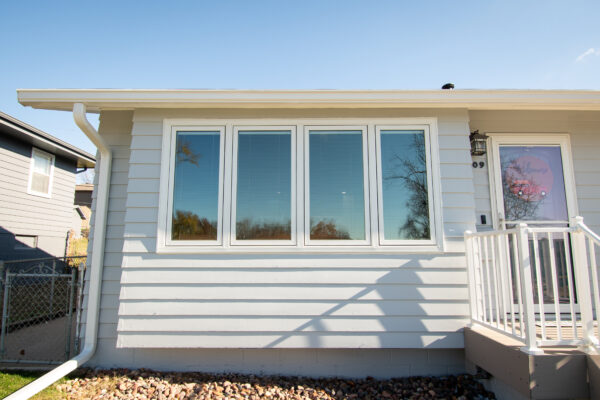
{"x":528,"y":311}
{"x":469,"y":252}
{"x":582,"y":283}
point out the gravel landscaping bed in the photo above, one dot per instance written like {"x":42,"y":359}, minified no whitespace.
{"x":147,"y":384}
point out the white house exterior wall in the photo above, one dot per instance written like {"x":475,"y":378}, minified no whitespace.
{"x":285,"y":301}
{"x":305,"y":314}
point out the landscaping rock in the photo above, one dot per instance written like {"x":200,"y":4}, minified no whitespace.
{"x":147,"y":384}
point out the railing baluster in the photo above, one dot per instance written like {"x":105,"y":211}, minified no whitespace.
{"x":570,"y":283}
{"x":495,"y":283}
{"x":501,"y":271}
{"x":511,"y":293}
{"x":481,"y":277}
{"x":487,"y":274}
{"x":555,"y":288}
{"x":536,"y":257}
{"x":518,"y":277}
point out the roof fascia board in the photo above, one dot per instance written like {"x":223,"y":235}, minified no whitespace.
{"x":83,"y":159}
{"x":101,"y":99}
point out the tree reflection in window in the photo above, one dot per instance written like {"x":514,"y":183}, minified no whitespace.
{"x":404,"y":186}
{"x":196,"y":186}
{"x":532,"y":183}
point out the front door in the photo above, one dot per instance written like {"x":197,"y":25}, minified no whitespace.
{"x":532,"y":183}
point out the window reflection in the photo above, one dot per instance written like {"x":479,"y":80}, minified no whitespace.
{"x":263,"y":210}
{"x":196,"y":186}
{"x":532,"y":183}
{"x":404,"y":185}
{"x":337,"y":205}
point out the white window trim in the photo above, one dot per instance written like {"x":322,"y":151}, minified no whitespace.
{"x":430,"y":191}
{"x":36,"y":151}
{"x":561,"y":140}
{"x":293,"y":200}
{"x":171,"y":163}
{"x":367,"y":209}
{"x":301,"y":246}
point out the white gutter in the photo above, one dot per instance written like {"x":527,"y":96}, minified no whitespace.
{"x":95,"y":266}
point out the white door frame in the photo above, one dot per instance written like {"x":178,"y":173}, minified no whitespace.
{"x":528,"y":139}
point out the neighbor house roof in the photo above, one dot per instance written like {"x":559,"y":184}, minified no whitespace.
{"x":124,"y":99}
{"x":14,"y":127}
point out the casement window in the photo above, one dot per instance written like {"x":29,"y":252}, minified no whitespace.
{"x":41,"y":171}
{"x":300,"y":186}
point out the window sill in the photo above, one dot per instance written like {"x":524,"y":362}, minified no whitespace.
{"x":294,"y":250}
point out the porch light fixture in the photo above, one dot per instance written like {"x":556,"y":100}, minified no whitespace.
{"x":478,"y":143}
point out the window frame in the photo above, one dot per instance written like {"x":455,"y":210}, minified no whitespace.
{"x":52,"y":157}
{"x":380,"y":210}
{"x":234,"y":169}
{"x":169,"y":241}
{"x":366,"y":192}
{"x":227,"y":246}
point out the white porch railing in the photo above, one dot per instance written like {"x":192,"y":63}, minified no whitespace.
{"x":538,"y":285}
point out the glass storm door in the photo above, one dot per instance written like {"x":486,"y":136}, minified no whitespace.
{"x":532,"y":186}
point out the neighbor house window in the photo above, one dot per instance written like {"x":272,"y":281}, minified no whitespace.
{"x":263,"y":186}
{"x":244,"y":186}
{"x":336,"y":186}
{"x":40,"y":173}
{"x":26,"y":242}
{"x":195,"y":205}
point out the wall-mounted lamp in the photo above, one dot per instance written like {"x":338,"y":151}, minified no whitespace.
{"x":478,"y":143}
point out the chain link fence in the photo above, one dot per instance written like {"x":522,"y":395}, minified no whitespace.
{"x":40,"y":302}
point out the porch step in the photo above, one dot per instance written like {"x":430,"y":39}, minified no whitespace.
{"x":559,"y":373}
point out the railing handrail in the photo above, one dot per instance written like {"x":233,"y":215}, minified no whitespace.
{"x":589,"y":233}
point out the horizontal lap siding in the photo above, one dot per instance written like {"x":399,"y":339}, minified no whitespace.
{"x":584,"y":131}
{"x":318,"y":301}
{"x":115,"y":127}
{"x":22,"y":213}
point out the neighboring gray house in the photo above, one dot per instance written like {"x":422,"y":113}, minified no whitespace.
{"x":37,"y":189}
{"x":328,"y":232}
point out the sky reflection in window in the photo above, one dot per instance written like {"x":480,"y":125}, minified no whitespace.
{"x":196,"y":186}
{"x":337,"y":203}
{"x":264,"y":185}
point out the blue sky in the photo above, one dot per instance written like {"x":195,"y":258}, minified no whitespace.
{"x":292,"y":45}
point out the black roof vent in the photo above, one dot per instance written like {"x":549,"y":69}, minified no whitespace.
{"x":448,"y":86}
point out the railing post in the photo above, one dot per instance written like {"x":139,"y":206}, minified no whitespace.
{"x":525,"y":272}
{"x":469,"y":253}
{"x":582,"y":283}
{"x":4,"y":328}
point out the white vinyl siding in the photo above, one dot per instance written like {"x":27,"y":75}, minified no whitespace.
{"x":284,"y":300}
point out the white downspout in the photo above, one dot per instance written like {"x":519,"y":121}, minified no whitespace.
{"x":95,"y":266}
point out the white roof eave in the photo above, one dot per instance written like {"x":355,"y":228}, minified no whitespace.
{"x":105,"y":99}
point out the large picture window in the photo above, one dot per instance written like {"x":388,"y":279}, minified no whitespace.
{"x":263,"y":183}
{"x":336,"y":186}
{"x":355,"y":186}
{"x":195,"y":211}
{"x":404,"y":185}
